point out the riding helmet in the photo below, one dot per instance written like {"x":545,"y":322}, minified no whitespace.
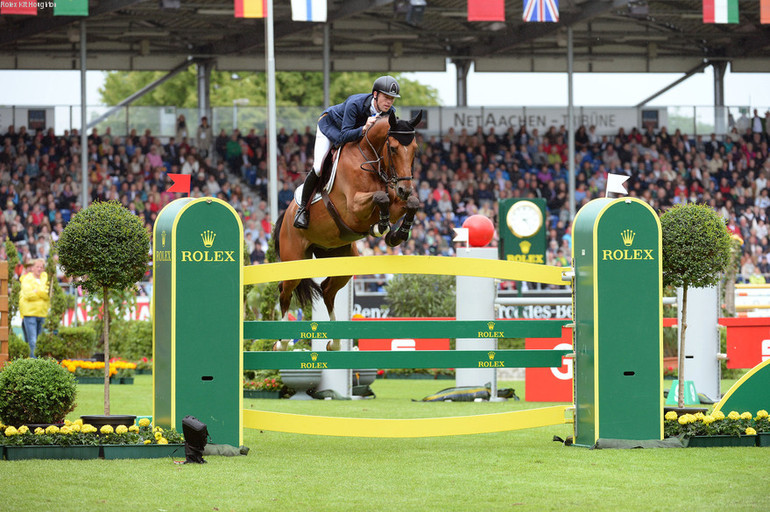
{"x":387,"y":85}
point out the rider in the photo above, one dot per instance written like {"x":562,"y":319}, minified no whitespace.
{"x":343,"y":123}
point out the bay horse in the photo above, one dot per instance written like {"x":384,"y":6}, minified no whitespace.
{"x":372,"y":190}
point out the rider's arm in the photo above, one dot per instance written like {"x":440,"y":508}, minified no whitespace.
{"x":355,"y":110}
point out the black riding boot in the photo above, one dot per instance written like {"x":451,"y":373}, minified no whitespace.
{"x":302,"y":219}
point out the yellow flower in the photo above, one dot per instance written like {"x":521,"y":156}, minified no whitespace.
{"x":122,"y":429}
{"x":162,"y":440}
{"x":708,"y":419}
{"x":88,"y":428}
{"x":75,"y":427}
{"x":106,"y":429}
{"x":718,"y":415}
{"x":158,"y":435}
{"x":23,"y":429}
{"x":65,"y":430}
{"x":762,"y":414}
{"x":158,"y":429}
{"x":671,"y":416}
{"x":11,"y":431}
{"x":683,"y":419}
{"x":750,"y":431}
{"x":78,"y":421}
{"x":52,"y":429}
{"x":39,"y":431}
{"x":147,"y":441}
{"x":746,"y":416}
{"x":698,"y":415}
{"x":144,"y":422}
{"x":133,"y":428}
{"x":734,"y":415}
{"x":67,"y":423}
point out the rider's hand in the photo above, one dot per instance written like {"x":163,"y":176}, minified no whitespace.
{"x":369,"y":123}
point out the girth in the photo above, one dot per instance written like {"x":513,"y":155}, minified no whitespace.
{"x":346,"y":233}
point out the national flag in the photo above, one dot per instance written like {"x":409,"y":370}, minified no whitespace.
{"x":308,"y":10}
{"x":25,"y":7}
{"x":181,"y":183}
{"x":251,"y":8}
{"x":541,"y":10}
{"x":764,"y":11}
{"x":720,"y":11}
{"x":486,"y":10}
{"x":70,"y":8}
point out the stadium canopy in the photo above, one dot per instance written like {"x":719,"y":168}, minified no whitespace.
{"x":619,"y":36}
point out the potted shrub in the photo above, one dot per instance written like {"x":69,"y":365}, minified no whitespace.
{"x":696,"y":251}
{"x":35,"y":391}
{"x":105,"y":247}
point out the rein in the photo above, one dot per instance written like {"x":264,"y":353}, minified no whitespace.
{"x":388,"y":176}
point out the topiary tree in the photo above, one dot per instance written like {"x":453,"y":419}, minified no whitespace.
{"x":35,"y":391}
{"x":696,"y":251}
{"x":105,"y":247}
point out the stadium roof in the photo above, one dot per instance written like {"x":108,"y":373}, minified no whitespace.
{"x":390,"y":35}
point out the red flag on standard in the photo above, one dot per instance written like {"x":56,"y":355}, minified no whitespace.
{"x":486,"y":10}
{"x":181,"y":183}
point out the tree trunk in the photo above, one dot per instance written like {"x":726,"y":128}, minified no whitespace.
{"x":682,"y":329}
{"x":106,"y":331}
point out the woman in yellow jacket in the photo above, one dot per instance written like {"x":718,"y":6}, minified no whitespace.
{"x":34,"y":302}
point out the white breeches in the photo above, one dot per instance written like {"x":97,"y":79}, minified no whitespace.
{"x":322,"y":146}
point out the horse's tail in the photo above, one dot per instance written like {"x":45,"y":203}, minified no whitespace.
{"x":307,"y":290}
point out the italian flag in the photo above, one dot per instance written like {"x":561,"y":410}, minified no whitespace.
{"x":720,"y":11}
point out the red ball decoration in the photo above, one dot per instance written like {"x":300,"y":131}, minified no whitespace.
{"x":481,"y":230}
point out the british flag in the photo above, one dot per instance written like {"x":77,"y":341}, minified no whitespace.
{"x":541,"y":10}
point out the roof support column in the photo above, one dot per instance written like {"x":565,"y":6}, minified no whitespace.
{"x":83,"y":129}
{"x":720,"y":112}
{"x":204,"y":88}
{"x":462,"y":66}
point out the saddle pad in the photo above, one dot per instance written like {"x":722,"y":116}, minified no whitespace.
{"x":327,"y":187}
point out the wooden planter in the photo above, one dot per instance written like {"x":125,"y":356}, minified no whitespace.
{"x":51,"y":452}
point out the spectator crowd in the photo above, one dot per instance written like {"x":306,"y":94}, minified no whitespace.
{"x":456,"y":175}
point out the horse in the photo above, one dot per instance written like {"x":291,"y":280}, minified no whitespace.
{"x":372,"y":190}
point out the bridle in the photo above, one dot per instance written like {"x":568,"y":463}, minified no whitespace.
{"x":388,"y":175}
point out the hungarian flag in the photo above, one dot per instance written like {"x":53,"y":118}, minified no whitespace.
{"x":720,"y":11}
{"x":251,"y":8}
{"x":25,"y":7}
{"x":308,"y":10}
{"x":546,"y":11}
{"x":764,"y":11}
{"x":70,"y":8}
{"x":486,"y":10}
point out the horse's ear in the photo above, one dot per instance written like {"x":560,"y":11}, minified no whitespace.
{"x":392,"y":119}
{"x":414,"y":122}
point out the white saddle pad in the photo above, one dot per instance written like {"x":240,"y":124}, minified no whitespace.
{"x":327,"y":187}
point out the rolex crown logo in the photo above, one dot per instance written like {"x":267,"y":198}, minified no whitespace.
{"x":628,"y":237}
{"x":314,"y":326}
{"x":491,"y":355}
{"x":208,"y":237}
{"x":314,"y":356}
{"x":491,"y":325}
{"x":163,"y":238}
{"x":525,"y":246}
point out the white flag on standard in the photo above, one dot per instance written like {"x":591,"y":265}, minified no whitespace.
{"x":308,"y":10}
{"x":615,"y":184}
{"x":461,"y":235}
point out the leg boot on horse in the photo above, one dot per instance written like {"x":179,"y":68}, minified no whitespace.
{"x":302,"y":219}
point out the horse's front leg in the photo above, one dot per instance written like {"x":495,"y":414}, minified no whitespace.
{"x":382,"y":202}
{"x":401,"y":234}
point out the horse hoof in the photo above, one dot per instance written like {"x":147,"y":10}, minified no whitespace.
{"x":279,"y":346}
{"x":333,"y":345}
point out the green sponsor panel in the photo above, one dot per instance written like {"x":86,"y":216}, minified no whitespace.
{"x":619,"y":324}
{"x":205,"y":307}
{"x":523,"y":230}
{"x":404,"y":329}
{"x":162,"y":243}
{"x":323,"y":360}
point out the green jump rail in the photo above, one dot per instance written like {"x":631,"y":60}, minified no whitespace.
{"x":323,"y":360}
{"x":410,"y":329}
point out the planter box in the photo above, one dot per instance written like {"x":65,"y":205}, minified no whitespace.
{"x":100,"y":380}
{"x":423,"y":376}
{"x":145,"y":371}
{"x":141,"y":451}
{"x":51,"y":452}
{"x":763,"y":439}
{"x":719,"y":441}
{"x":256,"y":393}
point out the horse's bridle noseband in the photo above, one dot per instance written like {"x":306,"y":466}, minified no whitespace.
{"x":389,"y":178}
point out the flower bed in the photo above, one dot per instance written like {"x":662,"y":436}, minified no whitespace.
{"x":95,"y":369}
{"x":716,"y":429}
{"x":76,"y":440}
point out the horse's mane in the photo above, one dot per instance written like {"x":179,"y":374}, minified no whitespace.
{"x":403,"y":131}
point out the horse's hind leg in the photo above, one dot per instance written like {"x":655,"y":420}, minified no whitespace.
{"x":382,"y":202}
{"x":401,"y":234}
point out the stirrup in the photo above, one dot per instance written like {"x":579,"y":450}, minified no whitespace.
{"x":301,"y":219}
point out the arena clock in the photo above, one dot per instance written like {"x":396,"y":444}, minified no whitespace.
{"x":524,"y":219}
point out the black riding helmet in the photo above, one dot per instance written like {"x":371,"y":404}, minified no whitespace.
{"x":387,"y":85}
